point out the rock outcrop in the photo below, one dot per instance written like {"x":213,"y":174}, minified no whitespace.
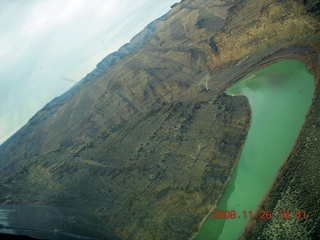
{"x":151,"y":141}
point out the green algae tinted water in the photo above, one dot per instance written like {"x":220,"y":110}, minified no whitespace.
{"x":279,"y":96}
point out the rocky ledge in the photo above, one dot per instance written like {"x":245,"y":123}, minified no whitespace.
{"x":150,"y":144}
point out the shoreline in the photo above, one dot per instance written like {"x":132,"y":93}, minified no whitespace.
{"x":229,"y":178}
{"x":280,"y":55}
{"x":287,"y":167}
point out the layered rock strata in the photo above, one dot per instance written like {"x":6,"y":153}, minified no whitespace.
{"x":149,"y":144}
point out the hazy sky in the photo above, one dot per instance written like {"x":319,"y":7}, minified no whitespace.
{"x":48,"y":45}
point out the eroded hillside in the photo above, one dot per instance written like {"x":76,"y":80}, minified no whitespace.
{"x":150,"y":143}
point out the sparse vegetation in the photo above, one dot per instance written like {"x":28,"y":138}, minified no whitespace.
{"x":146,"y":147}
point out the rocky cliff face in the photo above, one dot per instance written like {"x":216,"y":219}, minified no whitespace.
{"x":150,"y":143}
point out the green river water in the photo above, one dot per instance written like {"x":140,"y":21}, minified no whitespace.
{"x":279,"y":96}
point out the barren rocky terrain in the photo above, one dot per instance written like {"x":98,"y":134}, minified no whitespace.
{"x":149,"y":142}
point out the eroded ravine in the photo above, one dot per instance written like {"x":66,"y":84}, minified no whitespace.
{"x":279,"y":96}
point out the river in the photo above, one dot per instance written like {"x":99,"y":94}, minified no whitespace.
{"x":279,"y":95}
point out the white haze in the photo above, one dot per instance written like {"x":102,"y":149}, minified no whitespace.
{"x":48,"y":45}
